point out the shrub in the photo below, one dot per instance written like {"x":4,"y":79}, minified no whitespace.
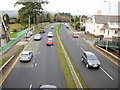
{"x":15,"y":30}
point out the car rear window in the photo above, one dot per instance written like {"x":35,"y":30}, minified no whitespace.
{"x":24,"y":55}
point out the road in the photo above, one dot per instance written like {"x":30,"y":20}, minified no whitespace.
{"x":104,"y":77}
{"x":43,"y":69}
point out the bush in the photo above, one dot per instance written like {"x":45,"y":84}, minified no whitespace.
{"x":82,"y":28}
{"x":15,"y":30}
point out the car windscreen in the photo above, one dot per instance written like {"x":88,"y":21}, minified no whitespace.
{"x":92,"y":57}
{"x":24,"y":55}
{"x":50,"y":40}
{"x":37,"y":35}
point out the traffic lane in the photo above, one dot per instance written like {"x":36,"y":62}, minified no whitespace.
{"x":107,"y":65}
{"x":19,"y":68}
{"x":20,"y":76}
{"x":48,"y":66}
{"x":87,"y":75}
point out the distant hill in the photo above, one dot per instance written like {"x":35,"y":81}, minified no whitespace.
{"x":11,"y":13}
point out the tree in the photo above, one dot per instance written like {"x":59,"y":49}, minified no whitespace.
{"x":6,"y":18}
{"x":29,"y":8}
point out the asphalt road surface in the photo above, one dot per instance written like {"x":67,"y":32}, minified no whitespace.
{"x":104,"y":77}
{"x":44,"y":67}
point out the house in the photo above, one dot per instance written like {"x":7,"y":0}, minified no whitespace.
{"x":4,"y":38}
{"x":98,"y":25}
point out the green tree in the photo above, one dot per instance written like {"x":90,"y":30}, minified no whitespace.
{"x":29,"y":8}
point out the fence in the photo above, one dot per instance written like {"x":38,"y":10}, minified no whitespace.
{"x":12,"y":42}
{"x":111,"y":44}
{"x":22,"y":32}
{"x":8,"y":45}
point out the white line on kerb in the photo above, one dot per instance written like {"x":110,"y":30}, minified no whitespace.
{"x":30,"y":86}
{"x":106,"y":73}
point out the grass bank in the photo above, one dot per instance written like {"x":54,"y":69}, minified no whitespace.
{"x":80,"y":78}
{"x":3,"y":61}
{"x":67,"y":74}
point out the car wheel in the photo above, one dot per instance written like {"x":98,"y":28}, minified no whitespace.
{"x":87,"y":66}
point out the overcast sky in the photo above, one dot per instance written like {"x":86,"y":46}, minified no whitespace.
{"x":87,"y":7}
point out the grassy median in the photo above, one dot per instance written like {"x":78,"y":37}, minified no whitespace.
{"x":68,"y":77}
{"x":80,"y":78}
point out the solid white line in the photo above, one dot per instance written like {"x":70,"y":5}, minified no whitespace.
{"x":106,"y":73}
{"x":30,"y":86}
{"x":41,"y":44}
{"x":82,"y":49}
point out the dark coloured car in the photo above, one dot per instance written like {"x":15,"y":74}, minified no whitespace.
{"x":90,"y":60}
{"x":42,"y":30}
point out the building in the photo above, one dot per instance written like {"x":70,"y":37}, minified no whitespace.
{"x":4,"y":38}
{"x":98,"y":25}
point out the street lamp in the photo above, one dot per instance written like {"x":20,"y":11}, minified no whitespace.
{"x":108,"y":24}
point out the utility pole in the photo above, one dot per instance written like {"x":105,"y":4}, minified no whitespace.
{"x":108,"y":25}
{"x":29,"y":21}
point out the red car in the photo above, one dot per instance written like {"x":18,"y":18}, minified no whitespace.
{"x":75,"y":35}
{"x":49,"y":42}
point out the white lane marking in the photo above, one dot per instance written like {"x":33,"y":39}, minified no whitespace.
{"x":106,"y":73}
{"x":52,"y":46}
{"x":82,"y":49}
{"x":38,"y":52}
{"x":41,"y":44}
{"x":35,"y":64}
{"x":30,"y":86}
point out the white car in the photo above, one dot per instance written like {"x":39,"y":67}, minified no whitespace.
{"x":31,"y":33}
{"x":37,"y":37}
{"x":27,"y":35}
{"x":47,"y":87}
{"x":50,"y":34}
{"x":26,"y":56}
{"x":52,"y":27}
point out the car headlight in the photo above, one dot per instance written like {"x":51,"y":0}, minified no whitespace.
{"x":98,"y":63}
{"x":90,"y":63}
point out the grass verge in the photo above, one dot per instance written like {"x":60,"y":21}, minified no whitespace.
{"x":77,"y":72}
{"x":65,"y":68}
{"x":13,"y":35}
{"x":17,"y":26}
{"x":3,"y":61}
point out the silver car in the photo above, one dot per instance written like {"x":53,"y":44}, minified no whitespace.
{"x":37,"y":37}
{"x":90,"y":60}
{"x":26,"y":56}
{"x":47,"y":87}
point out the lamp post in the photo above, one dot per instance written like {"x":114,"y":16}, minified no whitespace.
{"x":108,"y":25}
